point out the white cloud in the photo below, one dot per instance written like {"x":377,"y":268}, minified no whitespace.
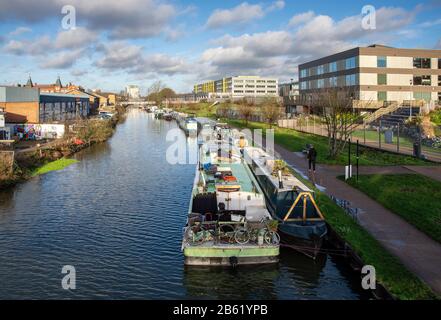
{"x":301,"y":18}
{"x":19,"y":31}
{"x":75,"y":38}
{"x":62,"y":60}
{"x":277,"y":5}
{"x":29,"y":47}
{"x":123,"y":19}
{"x":241,"y":14}
{"x":120,"y":55}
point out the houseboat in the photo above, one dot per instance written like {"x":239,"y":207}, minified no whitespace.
{"x":188,"y":124}
{"x":290,"y":202}
{"x":228,"y":223}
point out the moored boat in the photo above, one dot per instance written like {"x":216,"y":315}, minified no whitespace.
{"x":228,"y":223}
{"x":301,"y":224}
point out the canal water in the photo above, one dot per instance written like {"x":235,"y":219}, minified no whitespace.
{"x":117,"y":217}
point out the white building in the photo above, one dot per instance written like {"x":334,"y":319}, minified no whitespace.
{"x":132,"y":92}
{"x":239,"y":87}
{"x":376,"y":73}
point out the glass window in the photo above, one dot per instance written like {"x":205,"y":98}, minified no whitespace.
{"x":381,"y":62}
{"x":320,"y":70}
{"x":303,"y":73}
{"x":422,"y":81}
{"x":439,"y":81}
{"x":422,"y":63}
{"x":422,"y":96}
{"x":382,"y":95}
{"x":381,"y":79}
{"x":439,"y":63}
{"x":321,"y":83}
{"x":351,"y":80}
{"x":333,"y":67}
{"x":350,"y":63}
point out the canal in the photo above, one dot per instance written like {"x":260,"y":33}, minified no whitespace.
{"x":117,"y":217}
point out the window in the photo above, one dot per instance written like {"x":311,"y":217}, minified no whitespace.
{"x":439,"y":63}
{"x":422,"y":96}
{"x":333,"y":67}
{"x":422,"y":63}
{"x":381,"y":79}
{"x":439,"y":96}
{"x":321,"y":83}
{"x":351,"y":80}
{"x":350,"y":63}
{"x":439,"y":81}
{"x":382,"y":96}
{"x":320,"y":70}
{"x":422,"y":81}
{"x":381,"y":62}
{"x":303,"y":73}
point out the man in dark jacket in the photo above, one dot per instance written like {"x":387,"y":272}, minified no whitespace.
{"x":312,"y":157}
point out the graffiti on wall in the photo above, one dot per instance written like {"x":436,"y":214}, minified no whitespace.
{"x":37,"y":131}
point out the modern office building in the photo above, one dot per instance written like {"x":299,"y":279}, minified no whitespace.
{"x":376,"y":73}
{"x":132,"y":92}
{"x":29,"y":105}
{"x":239,"y":87}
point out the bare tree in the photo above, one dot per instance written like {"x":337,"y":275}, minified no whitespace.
{"x":336,"y":111}
{"x":154,"y":92}
{"x":246,"y":110}
{"x":222,"y":110}
{"x":271,"y":110}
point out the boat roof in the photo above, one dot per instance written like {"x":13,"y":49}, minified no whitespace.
{"x":261,"y":158}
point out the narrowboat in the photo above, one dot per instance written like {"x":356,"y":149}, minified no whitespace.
{"x":228,"y":223}
{"x":301,"y":223}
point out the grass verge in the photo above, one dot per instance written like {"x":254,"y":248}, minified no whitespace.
{"x":390,"y":272}
{"x":59,"y":164}
{"x":414,"y":197}
{"x":296,"y":141}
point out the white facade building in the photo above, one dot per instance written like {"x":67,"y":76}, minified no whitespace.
{"x":132,"y":92}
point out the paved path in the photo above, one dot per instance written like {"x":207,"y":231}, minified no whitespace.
{"x":419,"y":253}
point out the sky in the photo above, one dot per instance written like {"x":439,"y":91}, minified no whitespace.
{"x":114,"y":43}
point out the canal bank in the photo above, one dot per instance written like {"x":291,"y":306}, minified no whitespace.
{"x":117,"y":216}
{"x":361,"y":247}
{"x":54,"y":155}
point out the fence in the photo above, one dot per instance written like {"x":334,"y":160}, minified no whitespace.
{"x":398,"y":138}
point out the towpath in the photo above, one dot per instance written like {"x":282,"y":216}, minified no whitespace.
{"x":419,"y":253}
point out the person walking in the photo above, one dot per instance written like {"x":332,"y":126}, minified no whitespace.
{"x":312,"y":158}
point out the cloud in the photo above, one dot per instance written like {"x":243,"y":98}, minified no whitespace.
{"x":241,"y":14}
{"x":301,"y":18}
{"x":120,"y":55}
{"x":29,"y":47}
{"x":273,"y":52}
{"x":238,"y":15}
{"x":19,"y":31}
{"x":123,"y":19}
{"x":163,"y":64}
{"x":62,"y":60}
{"x":75,"y":38}
{"x":277,"y":5}
{"x":438,"y":45}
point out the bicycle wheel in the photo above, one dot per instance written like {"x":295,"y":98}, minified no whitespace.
{"x":272,"y":238}
{"x":242,"y":236}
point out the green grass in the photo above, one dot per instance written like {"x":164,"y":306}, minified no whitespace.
{"x":296,"y":141}
{"x":59,"y":164}
{"x":414,"y":197}
{"x":404,"y":141}
{"x":395,"y":277}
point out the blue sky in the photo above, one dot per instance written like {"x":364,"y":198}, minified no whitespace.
{"x":181,"y":42}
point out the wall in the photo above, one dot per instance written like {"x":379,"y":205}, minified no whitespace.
{"x":37,"y":131}
{"x":19,"y":112}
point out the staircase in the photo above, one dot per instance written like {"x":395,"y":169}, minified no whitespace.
{"x":395,"y":114}
{"x":392,"y":107}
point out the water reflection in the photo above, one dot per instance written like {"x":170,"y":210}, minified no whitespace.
{"x":117,"y":216}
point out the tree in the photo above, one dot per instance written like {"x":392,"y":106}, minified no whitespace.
{"x":270,"y":110}
{"x":154,"y":92}
{"x":246,"y":110}
{"x":336,"y":111}
{"x":222,"y":110}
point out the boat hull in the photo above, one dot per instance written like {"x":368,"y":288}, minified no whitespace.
{"x":230,"y":256}
{"x":307,"y":240}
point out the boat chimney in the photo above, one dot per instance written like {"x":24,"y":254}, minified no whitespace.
{"x":280,"y":179}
